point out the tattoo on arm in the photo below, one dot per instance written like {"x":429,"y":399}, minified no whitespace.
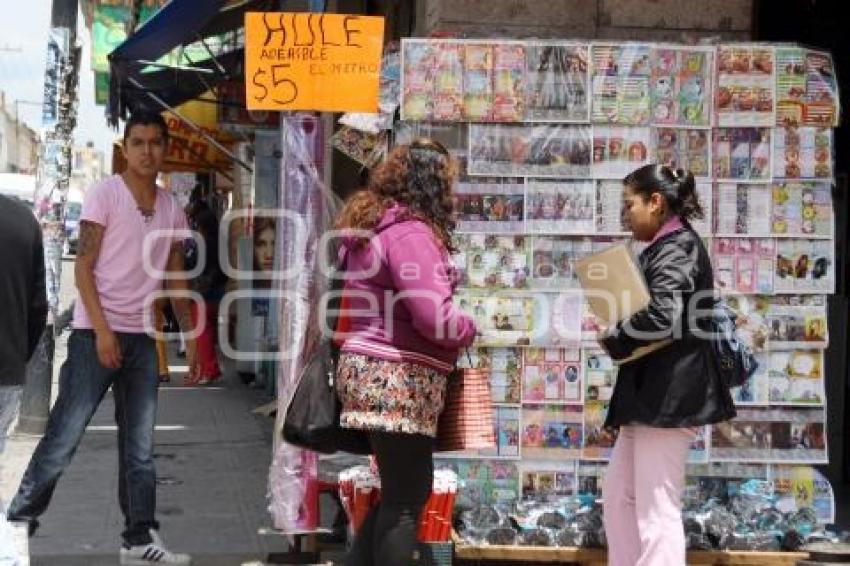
{"x":91,"y":237}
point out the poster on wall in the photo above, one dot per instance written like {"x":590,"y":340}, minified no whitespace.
{"x":494,"y":206}
{"x":745,"y":85}
{"x":620,"y":84}
{"x":789,"y":435}
{"x":551,"y":432}
{"x":802,"y":153}
{"x":806,"y":88}
{"x":617,"y":151}
{"x":802,"y":209}
{"x":680,"y":87}
{"x":805,"y":266}
{"x":552,"y":375}
{"x":543,"y":150}
{"x":680,"y":148}
{"x":557,"y":82}
{"x":487,"y":261}
{"x":742,"y":209}
{"x":741,"y":153}
{"x":744,"y":265}
{"x":560,"y":207}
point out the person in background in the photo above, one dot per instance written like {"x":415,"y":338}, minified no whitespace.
{"x":660,"y":398}
{"x":161,"y":346}
{"x":210,"y":284}
{"x":392,"y":377}
{"x":23,"y":314}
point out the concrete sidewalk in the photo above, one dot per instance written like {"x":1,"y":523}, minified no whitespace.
{"x":212,"y":457}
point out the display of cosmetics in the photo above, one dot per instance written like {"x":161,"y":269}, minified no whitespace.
{"x":360,"y":490}
{"x":753,"y":519}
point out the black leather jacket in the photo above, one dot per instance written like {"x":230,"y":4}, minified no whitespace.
{"x":676,"y":386}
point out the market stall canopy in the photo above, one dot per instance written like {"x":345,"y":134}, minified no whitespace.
{"x":135,"y":75}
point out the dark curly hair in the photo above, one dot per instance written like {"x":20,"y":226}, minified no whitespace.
{"x":420,"y":177}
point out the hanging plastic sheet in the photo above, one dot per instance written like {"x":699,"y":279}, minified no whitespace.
{"x":307,"y":209}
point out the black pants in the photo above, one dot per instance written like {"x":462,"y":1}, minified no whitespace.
{"x":388,"y":535}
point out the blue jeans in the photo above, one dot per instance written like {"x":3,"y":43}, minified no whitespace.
{"x":83,"y":382}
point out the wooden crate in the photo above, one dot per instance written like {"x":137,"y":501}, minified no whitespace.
{"x":592,"y":557}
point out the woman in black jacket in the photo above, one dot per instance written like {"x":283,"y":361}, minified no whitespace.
{"x":661,"y":397}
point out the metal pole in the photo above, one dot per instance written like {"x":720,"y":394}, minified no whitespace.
{"x":59,"y":113}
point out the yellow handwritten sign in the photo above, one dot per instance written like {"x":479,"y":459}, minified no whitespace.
{"x":304,"y":61}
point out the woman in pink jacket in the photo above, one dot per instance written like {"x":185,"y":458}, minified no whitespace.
{"x":403,"y":335}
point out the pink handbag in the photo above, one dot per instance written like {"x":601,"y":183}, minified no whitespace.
{"x":467,"y":418}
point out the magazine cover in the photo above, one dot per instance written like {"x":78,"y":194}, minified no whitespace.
{"x":741,"y":154}
{"x":590,"y":476}
{"x":502,"y":320}
{"x":553,"y":258}
{"x":557,"y":82}
{"x":543,"y":150}
{"x":790,"y":435}
{"x":508,"y":83}
{"x":805,"y":266}
{"x":544,"y":481}
{"x":417,"y":87}
{"x":617,"y":151}
{"x":802,"y":209}
{"x":507,"y":431}
{"x":489,"y":261}
{"x":490,"y":205}
{"x":744,"y":265}
{"x":796,"y":325}
{"x":552,"y":375}
{"x":704,"y":225}
{"x":745,"y":91}
{"x":620,"y":84}
{"x":560,"y":207}
{"x":680,"y":88}
{"x":742,"y":209}
{"x":802,"y":153}
{"x":796,"y":378}
{"x":807,"y":88}
{"x":681,"y":148}
{"x":551,"y":432}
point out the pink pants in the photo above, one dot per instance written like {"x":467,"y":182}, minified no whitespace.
{"x":642,"y":495}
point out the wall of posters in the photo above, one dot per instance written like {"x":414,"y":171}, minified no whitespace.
{"x":544,"y":133}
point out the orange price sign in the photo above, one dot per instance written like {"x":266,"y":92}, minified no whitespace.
{"x":306,"y":61}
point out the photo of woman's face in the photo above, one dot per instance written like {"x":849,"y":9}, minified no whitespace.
{"x":264,"y":249}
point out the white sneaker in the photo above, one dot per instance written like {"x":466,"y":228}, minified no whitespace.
{"x":152,"y":553}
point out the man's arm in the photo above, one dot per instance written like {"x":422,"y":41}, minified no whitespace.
{"x":88,"y":250}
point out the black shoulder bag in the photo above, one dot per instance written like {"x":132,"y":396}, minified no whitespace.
{"x":734,"y":360}
{"x":312,"y":417}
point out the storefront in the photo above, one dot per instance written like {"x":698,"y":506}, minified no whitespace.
{"x":544,"y":131}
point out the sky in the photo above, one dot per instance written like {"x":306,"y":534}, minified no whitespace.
{"x":22,"y":72}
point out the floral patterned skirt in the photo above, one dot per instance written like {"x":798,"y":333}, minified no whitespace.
{"x":389,"y":396}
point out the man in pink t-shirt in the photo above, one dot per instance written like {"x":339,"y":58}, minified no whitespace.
{"x":131,"y":236}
